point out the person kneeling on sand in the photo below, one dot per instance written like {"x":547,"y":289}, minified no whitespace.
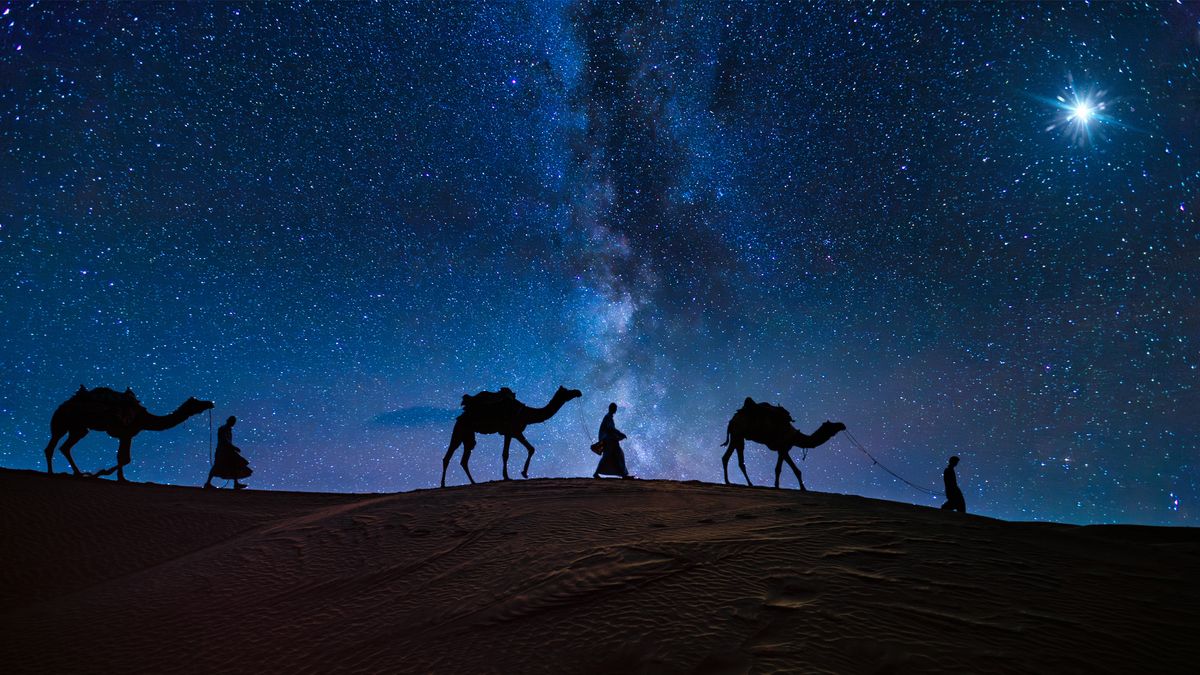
{"x":954,"y":496}
{"x":229,"y":463}
{"x":612,"y":458}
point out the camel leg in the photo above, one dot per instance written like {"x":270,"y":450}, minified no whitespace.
{"x":468,"y":446}
{"x":445,"y":460}
{"x":725,"y":462}
{"x":778,"y":468}
{"x":792,"y":463}
{"x":507,"y":442}
{"x":529,"y":448}
{"x":74,"y":437}
{"x":741,"y":451}
{"x":455,"y":441}
{"x":123,"y":458}
{"x":54,"y":439}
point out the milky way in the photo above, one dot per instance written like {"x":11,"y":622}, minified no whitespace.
{"x":335,"y":219}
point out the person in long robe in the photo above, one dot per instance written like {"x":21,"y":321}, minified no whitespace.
{"x":228,"y":462}
{"x":954,"y":496}
{"x":612,"y":460}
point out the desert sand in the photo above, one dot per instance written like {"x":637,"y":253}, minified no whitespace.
{"x":574,"y":575}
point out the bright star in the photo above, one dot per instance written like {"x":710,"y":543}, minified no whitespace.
{"x":1080,"y":111}
{"x":1080,"y":114}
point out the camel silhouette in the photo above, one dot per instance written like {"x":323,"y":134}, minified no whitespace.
{"x":499,"y":413}
{"x":120,"y":415}
{"x":771,"y":426}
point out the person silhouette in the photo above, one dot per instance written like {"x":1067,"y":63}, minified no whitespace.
{"x":228,"y":462}
{"x":954,"y":496}
{"x":612,"y":460}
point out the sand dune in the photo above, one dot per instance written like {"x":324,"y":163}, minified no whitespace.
{"x":563,"y":576}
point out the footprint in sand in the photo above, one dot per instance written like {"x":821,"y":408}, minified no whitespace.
{"x":775,"y":635}
{"x":788,"y":593}
{"x":792,"y":600}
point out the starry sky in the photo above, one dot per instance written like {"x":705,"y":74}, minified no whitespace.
{"x":957,"y":228}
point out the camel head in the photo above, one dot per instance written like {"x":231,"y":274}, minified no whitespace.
{"x":563,"y":394}
{"x":831,"y":428}
{"x":194,"y":406}
{"x":826,"y":431}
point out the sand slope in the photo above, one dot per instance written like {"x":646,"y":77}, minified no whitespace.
{"x":562,"y":576}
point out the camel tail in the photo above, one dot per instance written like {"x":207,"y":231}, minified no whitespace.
{"x":726,"y":439}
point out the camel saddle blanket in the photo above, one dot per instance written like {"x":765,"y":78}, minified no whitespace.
{"x":487,"y":401}
{"x":764,"y":410}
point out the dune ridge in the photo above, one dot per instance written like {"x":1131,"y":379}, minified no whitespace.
{"x":574,"y":575}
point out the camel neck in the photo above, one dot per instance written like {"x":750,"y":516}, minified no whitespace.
{"x":547,"y":411}
{"x":818,"y":437}
{"x":152,"y":422}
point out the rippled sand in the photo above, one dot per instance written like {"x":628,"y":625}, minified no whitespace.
{"x":578,"y":575}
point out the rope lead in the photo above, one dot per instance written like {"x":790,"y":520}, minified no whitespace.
{"x":583,"y":427}
{"x":875,"y":462}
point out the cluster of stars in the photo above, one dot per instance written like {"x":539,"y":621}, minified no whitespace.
{"x":334,"y":220}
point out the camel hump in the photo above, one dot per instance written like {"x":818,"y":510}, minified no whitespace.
{"x":487,"y":400}
{"x":766,"y":412}
{"x":105,"y":401}
{"x":107,"y":395}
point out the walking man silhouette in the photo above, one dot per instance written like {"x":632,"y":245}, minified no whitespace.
{"x":612,"y":461}
{"x":228,"y":462}
{"x":954,"y":496}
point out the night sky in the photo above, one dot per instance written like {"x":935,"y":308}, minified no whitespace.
{"x":958,"y":229}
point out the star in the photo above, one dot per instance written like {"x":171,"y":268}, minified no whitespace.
{"x":1082,"y":112}
{"x":1079,"y":113}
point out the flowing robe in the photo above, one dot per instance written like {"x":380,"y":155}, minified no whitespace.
{"x":612,"y":461}
{"x":229,"y":462}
